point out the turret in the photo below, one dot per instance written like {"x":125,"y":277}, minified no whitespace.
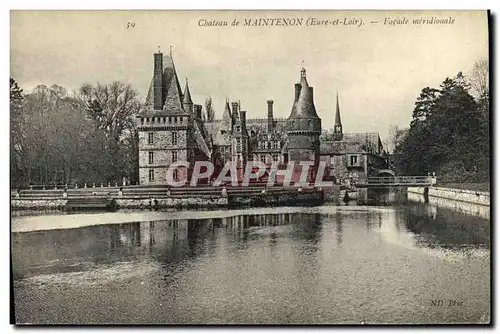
{"x":187,"y":102}
{"x":303,"y":124}
{"x":337,"y":128}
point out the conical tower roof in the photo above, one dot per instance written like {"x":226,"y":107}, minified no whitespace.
{"x":304,"y":106}
{"x":187,"y":95}
{"x":225,"y":124}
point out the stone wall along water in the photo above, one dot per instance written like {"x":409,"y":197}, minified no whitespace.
{"x":469,"y":196}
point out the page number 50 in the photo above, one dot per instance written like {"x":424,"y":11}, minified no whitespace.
{"x":130,"y":24}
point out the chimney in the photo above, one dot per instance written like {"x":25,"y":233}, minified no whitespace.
{"x":270,"y":115}
{"x":297,"y":91}
{"x":243,"y":120}
{"x":234,"y":106}
{"x":197,"y":109}
{"x":158,"y":81}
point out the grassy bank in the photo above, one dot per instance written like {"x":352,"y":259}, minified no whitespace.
{"x":483,"y":186}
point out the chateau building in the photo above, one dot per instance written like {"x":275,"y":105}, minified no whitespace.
{"x":171,"y":129}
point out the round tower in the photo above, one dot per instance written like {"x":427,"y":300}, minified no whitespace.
{"x":303,"y":124}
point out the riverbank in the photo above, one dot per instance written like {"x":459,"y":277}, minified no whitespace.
{"x":467,"y":196}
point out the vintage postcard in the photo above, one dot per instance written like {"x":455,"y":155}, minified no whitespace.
{"x":250,"y":167}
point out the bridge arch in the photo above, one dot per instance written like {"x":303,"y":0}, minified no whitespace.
{"x":386,"y":173}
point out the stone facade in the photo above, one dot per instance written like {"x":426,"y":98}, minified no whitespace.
{"x":173,"y":202}
{"x":171,"y":129}
{"x":37,"y":204}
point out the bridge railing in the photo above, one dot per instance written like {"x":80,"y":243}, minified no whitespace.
{"x":410,"y":181}
{"x":401,"y":179}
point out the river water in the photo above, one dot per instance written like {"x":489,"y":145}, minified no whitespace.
{"x":416,"y":263}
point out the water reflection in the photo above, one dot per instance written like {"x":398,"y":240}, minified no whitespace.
{"x":437,"y":226}
{"x":328,"y":264}
{"x":482,"y":211}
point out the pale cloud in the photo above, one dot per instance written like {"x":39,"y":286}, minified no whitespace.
{"x":378,"y":70}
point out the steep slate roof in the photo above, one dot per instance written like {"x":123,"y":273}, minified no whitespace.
{"x":221,"y":130}
{"x":304,"y":106}
{"x":148,"y":104}
{"x":372,"y":138}
{"x":172,"y":92}
{"x":173,"y":100}
{"x":257,"y":125}
{"x":331,"y":147}
{"x":351,"y":143}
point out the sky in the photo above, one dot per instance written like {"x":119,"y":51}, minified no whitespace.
{"x":378,"y":69}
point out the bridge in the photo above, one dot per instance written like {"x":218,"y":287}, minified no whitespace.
{"x":396,"y":181}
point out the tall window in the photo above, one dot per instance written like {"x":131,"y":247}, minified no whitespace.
{"x":354,"y":160}
{"x":332,"y":160}
{"x":151,"y":158}
{"x":275,"y":157}
{"x":263,"y":158}
{"x":174,"y":156}
{"x":176,"y":175}
{"x":174,"y":138}
{"x":151,"y":175}
{"x":150,"y":138}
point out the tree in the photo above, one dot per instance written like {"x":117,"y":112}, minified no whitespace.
{"x":395,"y":138}
{"x":112,"y":107}
{"x":17,"y":124}
{"x":59,"y":138}
{"x":447,"y":134}
{"x":479,"y":80}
